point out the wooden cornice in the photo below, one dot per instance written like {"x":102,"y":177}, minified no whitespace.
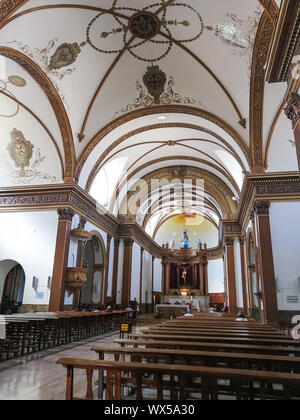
{"x":268,"y":186}
{"x":71,"y":196}
{"x":286,"y":42}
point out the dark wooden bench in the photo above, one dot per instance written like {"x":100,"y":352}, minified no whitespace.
{"x":219,"y":346}
{"x":196,"y":358}
{"x":180,"y":381}
{"x":220,"y":338}
{"x":223,"y":333}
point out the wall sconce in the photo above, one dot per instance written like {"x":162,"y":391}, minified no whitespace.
{"x":35,"y":282}
{"x":49,"y":282}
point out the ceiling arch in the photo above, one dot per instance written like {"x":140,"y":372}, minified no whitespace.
{"x":63,"y":122}
{"x":165,"y":109}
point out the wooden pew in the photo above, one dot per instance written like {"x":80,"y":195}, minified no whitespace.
{"x":222,"y":333}
{"x":217,"y":346}
{"x":219,"y":338}
{"x":196,"y":358}
{"x":182,"y":380}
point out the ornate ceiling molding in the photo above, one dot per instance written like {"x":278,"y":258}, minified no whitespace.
{"x":271,"y":9}
{"x":8,"y":7}
{"x":267,"y":187}
{"x":161,"y":109}
{"x":59,"y":110}
{"x":261,"y":48}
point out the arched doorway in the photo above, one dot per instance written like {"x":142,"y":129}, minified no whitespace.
{"x":12,"y":284}
{"x":93,"y":260}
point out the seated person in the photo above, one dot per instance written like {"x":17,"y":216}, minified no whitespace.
{"x":242,"y":318}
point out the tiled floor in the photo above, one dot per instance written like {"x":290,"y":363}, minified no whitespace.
{"x":37,"y":377}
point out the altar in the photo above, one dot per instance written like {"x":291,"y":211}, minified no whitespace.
{"x":167,"y":310}
{"x":186,"y":301}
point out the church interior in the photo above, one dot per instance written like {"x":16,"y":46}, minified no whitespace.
{"x":149,"y":200}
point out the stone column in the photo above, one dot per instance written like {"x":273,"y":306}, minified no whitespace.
{"x":152,"y":280}
{"x":163,"y":277}
{"x":168,"y":277}
{"x":231,"y":279}
{"x":292,"y":111}
{"x":141,"y":278}
{"x":115,"y":271}
{"x":57,"y":294}
{"x":269,"y":291}
{"x":107,"y":262}
{"x":205,"y":277}
{"x":201,"y":279}
{"x":127,"y":267}
{"x":244,"y":273}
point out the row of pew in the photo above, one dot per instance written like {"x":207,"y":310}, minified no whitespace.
{"x":205,"y":357}
{"x":34,"y":332}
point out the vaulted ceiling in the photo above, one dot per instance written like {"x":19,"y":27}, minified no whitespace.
{"x":108,"y":91}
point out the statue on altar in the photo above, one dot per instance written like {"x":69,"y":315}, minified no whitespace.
{"x":185,"y":239}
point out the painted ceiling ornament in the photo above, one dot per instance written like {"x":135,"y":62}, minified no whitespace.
{"x":64,"y":56}
{"x":146,"y":26}
{"x":155,"y":80}
{"x":16,"y":81}
{"x":161,"y":91}
{"x":20,"y":151}
{"x":230,"y":34}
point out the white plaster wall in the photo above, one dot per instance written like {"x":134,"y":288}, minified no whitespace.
{"x":135,"y":272}
{"x":30,"y":239}
{"x":120,"y":273}
{"x":216,"y":276}
{"x":157,"y":284}
{"x":285,"y":231}
{"x":147,"y":277}
{"x":238,"y":273}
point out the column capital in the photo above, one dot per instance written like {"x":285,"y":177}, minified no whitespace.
{"x":292,"y":110}
{"x":109,"y":238}
{"x":262,"y":207}
{"x":128,"y":243}
{"x":142,"y":250}
{"x":229,"y":241}
{"x":66,"y":214}
{"x":242,"y":240}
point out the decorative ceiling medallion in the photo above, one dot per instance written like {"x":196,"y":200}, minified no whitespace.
{"x":65,"y":55}
{"x":20,"y":150}
{"x":155,"y":81}
{"x":147,"y":26}
{"x":144,"y":25}
{"x":158,"y":93}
